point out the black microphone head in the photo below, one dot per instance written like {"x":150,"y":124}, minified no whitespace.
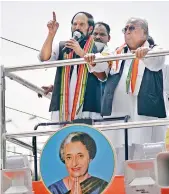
{"x":67,"y":50}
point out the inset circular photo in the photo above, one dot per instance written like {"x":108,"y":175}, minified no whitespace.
{"x":78,"y":159}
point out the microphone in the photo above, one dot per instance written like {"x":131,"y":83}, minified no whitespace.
{"x":76,"y":36}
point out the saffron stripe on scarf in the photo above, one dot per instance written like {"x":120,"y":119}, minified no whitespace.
{"x":133,"y":71}
{"x":82,"y":76}
{"x":77,"y":90}
{"x":61,"y":95}
{"x":80,"y":86}
{"x":67,"y":74}
{"x":67,"y":78}
{"x":129,"y":77}
{"x":134,"y":74}
{"x":85,"y":78}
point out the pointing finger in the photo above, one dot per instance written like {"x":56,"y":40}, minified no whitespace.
{"x":54,"y":16}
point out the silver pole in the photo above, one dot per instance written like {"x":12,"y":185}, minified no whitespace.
{"x":81,"y":61}
{"x":22,"y":144}
{"x":27,"y":84}
{"x":115,"y":126}
{"x":3,"y":120}
{"x":1,"y":131}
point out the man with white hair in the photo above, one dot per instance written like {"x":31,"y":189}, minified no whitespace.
{"x":134,"y":87}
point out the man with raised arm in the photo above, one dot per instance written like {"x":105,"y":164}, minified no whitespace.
{"x":76,"y":91}
{"x":101,"y":33}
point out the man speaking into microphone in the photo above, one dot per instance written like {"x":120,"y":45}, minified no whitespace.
{"x":76,"y":92}
{"x":77,"y":36}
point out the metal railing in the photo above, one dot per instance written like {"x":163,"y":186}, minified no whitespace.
{"x":5,"y":71}
{"x":115,"y":126}
{"x":79,"y":61}
{"x":27,"y":84}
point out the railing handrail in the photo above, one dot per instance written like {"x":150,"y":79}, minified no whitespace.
{"x":60,"y":63}
{"x":27,"y":84}
{"x":109,"y":127}
{"x":23,"y":144}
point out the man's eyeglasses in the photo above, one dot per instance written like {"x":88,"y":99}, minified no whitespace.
{"x":130,"y":28}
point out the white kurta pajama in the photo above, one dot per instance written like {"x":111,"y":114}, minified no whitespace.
{"x":82,"y":115}
{"x":126,"y":104}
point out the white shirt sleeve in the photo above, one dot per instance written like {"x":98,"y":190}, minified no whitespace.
{"x":166,"y":78}
{"x":99,"y":67}
{"x":155,"y":63}
{"x":103,"y":66}
{"x":54,"y":54}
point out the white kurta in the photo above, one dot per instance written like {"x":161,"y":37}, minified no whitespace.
{"x":126,"y":104}
{"x":55,"y":114}
{"x":166,"y":79}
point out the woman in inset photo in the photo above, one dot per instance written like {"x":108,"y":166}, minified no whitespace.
{"x":77,"y":151}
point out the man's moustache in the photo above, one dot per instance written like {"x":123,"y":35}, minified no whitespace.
{"x":98,"y":40}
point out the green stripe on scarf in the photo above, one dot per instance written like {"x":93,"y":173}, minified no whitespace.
{"x":129,"y":77}
{"x":84,"y":83}
{"x":61,"y":93}
{"x":88,"y":49}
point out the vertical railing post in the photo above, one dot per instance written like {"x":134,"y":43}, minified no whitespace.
{"x":126,"y":139}
{"x":2,"y":125}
